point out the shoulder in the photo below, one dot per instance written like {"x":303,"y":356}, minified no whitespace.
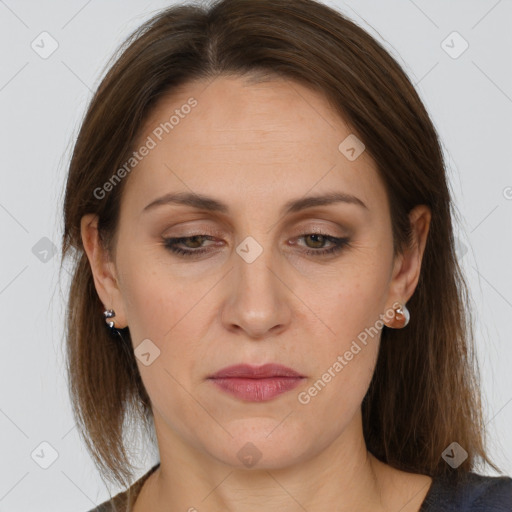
{"x":470,"y":492}
{"x":488,"y":493}
{"x":123,"y":502}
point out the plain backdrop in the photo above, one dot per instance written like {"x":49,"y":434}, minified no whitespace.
{"x":42,"y":100}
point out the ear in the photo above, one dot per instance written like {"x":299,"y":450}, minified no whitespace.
{"x":407,"y":266}
{"x":103,"y":269}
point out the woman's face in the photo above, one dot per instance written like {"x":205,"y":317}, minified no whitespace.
{"x":258,"y":283}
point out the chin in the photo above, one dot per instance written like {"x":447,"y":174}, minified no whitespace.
{"x":254,"y":449}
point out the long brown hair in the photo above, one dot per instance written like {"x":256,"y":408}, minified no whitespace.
{"x":425,"y":391}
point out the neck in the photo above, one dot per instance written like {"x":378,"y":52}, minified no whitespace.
{"x":343,"y":472}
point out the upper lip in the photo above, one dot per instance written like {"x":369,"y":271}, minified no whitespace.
{"x":255,"y":372}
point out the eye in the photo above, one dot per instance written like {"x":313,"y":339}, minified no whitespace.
{"x":196,"y":240}
{"x":190,"y":246}
{"x":318,"y":241}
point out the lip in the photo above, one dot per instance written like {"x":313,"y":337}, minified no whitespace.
{"x":256,"y":383}
{"x":248,"y":371}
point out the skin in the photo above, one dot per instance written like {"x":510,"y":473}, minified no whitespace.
{"x":255,"y":147}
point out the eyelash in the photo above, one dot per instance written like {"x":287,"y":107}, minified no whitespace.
{"x":339,"y":244}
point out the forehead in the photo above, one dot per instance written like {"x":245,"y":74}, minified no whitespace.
{"x":231,"y":139}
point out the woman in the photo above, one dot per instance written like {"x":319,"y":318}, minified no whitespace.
{"x":266,"y":276}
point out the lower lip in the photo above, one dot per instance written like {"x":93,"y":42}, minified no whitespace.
{"x":257,"y":390}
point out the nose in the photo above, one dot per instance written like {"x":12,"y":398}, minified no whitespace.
{"x":257,"y":299}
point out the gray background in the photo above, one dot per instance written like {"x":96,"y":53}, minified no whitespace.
{"x":42,"y":101}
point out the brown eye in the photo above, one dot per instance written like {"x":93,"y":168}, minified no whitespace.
{"x":316,"y":244}
{"x":197,"y":241}
{"x":190,"y":245}
{"x":318,"y":240}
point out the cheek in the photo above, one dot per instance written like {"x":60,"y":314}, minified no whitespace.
{"x":344,"y":359}
{"x":161,"y":311}
{"x":171,"y":312}
{"x":156,"y":306}
{"x":355,"y":322}
{"x":350,"y":305}
{"x":354,"y":298}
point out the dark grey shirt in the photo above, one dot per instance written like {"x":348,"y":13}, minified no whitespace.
{"x":472,"y":493}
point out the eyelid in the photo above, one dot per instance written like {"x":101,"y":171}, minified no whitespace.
{"x":216,"y":234}
{"x":190,"y":232}
{"x":303,"y":225}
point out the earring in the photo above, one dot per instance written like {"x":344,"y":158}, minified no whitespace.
{"x":110,"y":313}
{"x":402,"y":315}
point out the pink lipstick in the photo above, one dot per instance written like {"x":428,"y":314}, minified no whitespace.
{"x":256,"y":383}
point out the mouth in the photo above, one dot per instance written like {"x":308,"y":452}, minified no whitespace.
{"x":256,"y":384}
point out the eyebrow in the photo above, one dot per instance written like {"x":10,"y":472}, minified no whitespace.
{"x":203,"y":202}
